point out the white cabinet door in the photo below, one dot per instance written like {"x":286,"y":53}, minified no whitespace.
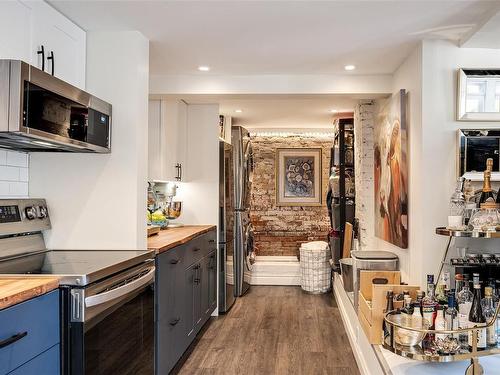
{"x":15,"y":30}
{"x":154,"y":140}
{"x":64,"y":44}
{"x":167,"y":140}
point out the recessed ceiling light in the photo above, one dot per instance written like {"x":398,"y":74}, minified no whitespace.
{"x":238,"y":110}
{"x":333,"y":111}
{"x":349,"y":67}
{"x":203,"y":68}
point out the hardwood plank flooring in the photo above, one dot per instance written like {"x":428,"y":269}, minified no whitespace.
{"x":273,"y":330}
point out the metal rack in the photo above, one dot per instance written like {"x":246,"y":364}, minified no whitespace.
{"x":424,"y":351}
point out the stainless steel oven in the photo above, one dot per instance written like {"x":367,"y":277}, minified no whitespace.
{"x":111,"y":324}
{"x":39,"y":112}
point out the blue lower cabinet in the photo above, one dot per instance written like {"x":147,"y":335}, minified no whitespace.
{"x":27,"y":330}
{"x":46,"y":363}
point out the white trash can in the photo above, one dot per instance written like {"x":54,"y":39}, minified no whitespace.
{"x":315,"y":270}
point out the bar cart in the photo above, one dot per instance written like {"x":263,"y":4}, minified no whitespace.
{"x":414,"y":341}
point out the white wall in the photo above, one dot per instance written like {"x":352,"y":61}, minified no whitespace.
{"x":271,"y":84}
{"x":200,"y":195}
{"x":98,"y":201}
{"x":441,"y":60}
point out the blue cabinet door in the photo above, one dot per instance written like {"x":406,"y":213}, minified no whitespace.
{"x":46,"y":363}
{"x":35,"y":324}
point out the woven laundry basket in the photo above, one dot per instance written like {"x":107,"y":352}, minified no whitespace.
{"x":315,"y":270}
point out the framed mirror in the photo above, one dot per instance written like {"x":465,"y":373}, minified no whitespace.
{"x":478,"y":95}
{"x":474,"y":147}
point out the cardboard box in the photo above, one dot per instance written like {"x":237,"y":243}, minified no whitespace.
{"x":371,"y":311}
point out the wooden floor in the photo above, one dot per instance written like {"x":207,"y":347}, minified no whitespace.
{"x":274,"y":330}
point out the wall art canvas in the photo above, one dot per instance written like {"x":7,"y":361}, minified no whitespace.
{"x":391,"y":171}
{"x":298,"y":177}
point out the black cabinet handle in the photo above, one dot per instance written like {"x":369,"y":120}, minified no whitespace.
{"x":173,"y":322}
{"x":174,"y":261}
{"x":196,"y":249}
{"x":178,"y":168}
{"x":197,"y":274}
{"x":41,"y":51}
{"x":12,"y":339}
{"x":211,"y":241}
{"x":51,"y":57}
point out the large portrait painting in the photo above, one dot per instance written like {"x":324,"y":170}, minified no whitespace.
{"x":298,"y":176}
{"x":391,"y":171}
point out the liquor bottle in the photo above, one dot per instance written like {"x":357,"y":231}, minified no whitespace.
{"x":457,"y":207}
{"x":407,"y":312}
{"x":476,"y":317}
{"x":459,"y":284}
{"x":440,"y":323}
{"x":487,"y":193}
{"x":494,"y":296}
{"x":451,"y":314}
{"x":420,"y":297}
{"x":464,"y":301}
{"x":417,"y":311}
{"x":442,"y":286}
{"x":489,"y":313}
{"x":429,"y":302}
{"x":388,"y":307}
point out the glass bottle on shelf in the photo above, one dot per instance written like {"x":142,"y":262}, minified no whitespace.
{"x":440,"y":323}
{"x":388,"y":307}
{"x":457,"y":207}
{"x":464,"y":302}
{"x":442,"y":286}
{"x":334,"y":183}
{"x":476,"y":317}
{"x":417,"y":310}
{"x":459,"y":284}
{"x":407,"y":312}
{"x":451,"y":314}
{"x":429,"y":302}
{"x":487,"y":305}
{"x":486,"y":193}
{"x":420,"y":297}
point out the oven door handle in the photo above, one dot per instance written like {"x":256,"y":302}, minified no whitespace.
{"x":121,"y":291}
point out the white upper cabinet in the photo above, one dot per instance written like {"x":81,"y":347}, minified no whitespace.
{"x":27,"y":26}
{"x":167,"y":140}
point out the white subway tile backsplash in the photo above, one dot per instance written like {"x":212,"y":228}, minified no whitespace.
{"x":18,"y":189}
{"x":14,"y":174}
{"x":24,"y":174}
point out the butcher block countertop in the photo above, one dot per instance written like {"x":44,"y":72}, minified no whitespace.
{"x":172,"y":237}
{"x":17,"y":289}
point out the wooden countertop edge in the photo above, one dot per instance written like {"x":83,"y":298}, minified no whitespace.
{"x":23,"y":293}
{"x":197,"y":230}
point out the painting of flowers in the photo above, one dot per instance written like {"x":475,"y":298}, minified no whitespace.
{"x":298,"y":173}
{"x":391,"y":171}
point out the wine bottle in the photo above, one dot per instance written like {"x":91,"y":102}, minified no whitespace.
{"x":429,"y":302}
{"x":476,"y":317}
{"x":486,"y":193}
{"x":389,"y":307}
{"x":440,"y":323}
{"x":489,"y":313}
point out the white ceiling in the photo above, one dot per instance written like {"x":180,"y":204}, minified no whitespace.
{"x":277,"y":111}
{"x":282,"y":37}
{"x":487,"y":35}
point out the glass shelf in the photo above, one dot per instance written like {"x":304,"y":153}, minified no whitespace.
{"x":443,"y":231}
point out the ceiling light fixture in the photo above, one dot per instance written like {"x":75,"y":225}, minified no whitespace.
{"x":238,"y":110}
{"x":203,"y":68}
{"x":333,"y":111}
{"x":349,"y":67}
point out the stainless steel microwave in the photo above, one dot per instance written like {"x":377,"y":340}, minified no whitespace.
{"x":40,"y":113}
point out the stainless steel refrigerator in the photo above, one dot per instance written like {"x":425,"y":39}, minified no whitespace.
{"x":243,"y":172}
{"x":226,"y":227}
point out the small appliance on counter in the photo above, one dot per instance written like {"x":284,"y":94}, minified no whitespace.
{"x":101,"y":293}
{"x":172,"y":208}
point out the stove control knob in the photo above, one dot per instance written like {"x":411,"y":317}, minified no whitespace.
{"x":42,"y":212}
{"x":30,"y":212}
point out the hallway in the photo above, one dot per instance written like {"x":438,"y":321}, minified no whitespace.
{"x":274,"y":330}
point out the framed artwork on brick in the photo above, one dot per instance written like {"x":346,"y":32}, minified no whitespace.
{"x":298,"y":176}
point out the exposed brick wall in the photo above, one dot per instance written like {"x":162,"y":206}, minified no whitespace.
{"x":281,"y":230}
{"x":364,"y":121}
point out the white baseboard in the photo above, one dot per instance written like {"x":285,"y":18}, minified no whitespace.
{"x":275,"y":270}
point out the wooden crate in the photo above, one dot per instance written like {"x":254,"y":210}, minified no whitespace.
{"x":371,"y":311}
{"x":368,"y":278}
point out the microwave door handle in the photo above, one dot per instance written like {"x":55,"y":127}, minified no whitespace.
{"x":121,"y":291}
